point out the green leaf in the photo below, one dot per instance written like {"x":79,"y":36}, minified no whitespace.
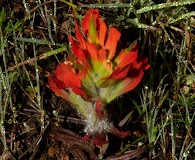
{"x":13,"y":76}
{"x":2,"y":16}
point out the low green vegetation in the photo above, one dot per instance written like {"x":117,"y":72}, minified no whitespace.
{"x":159,"y":113}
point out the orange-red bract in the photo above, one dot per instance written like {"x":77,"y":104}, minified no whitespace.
{"x":95,"y":74}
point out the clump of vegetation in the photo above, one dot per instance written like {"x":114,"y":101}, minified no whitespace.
{"x":159,"y":113}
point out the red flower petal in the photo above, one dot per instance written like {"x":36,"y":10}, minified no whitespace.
{"x":133,"y":79}
{"x":92,"y":50}
{"x":135,"y":74}
{"x":102,"y":55}
{"x":125,"y":58}
{"x":102,"y":31}
{"x":92,"y":13}
{"x":77,"y":51}
{"x":80,"y":37}
{"x":119,"y":73}
{"x":131,"y":82}
{"x":56,"y":90}
{"x":111,"y":42}
{"x":59,"y":83}
{"x":66,"y":73}
{"x":80,"y":92}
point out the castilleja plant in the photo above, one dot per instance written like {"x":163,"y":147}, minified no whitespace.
{"x":94,"y":75}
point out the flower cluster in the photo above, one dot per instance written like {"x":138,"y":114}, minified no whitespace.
{"x":94,"y":75}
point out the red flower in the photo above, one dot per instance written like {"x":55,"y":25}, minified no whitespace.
{"x":65,"y":78}
{"x":95,"y":74}
{"x":96,"y":48}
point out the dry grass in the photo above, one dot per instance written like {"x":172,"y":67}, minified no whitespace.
{"x":33,"y":39}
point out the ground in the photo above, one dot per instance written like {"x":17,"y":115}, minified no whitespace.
{"x":159,"y":113}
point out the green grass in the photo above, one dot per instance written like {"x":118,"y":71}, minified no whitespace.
{"x":163,"y":105}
